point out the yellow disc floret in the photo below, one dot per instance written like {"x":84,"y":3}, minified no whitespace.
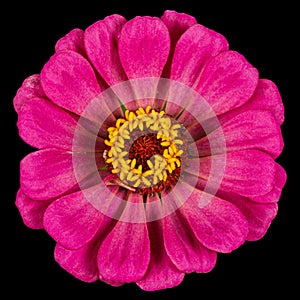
{"x":137,"y":124}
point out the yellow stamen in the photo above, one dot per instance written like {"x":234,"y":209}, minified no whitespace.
{"x":159,"y":165}
{"x":160,"y":176}
{"x":146,"y":181}
{"x":169,"y":169}
{"x":131,"y":116}
{"x":166,"y":154}
{"x":137,"y":183}
{"x":174,"y":148}
{"x":111,"y":129}
{"x":173,"y":159}
{"x":133,"y":163}
{"x":119,"y":122}
{"x":179,"y":152}
{"x":159,"y":134}
{"x":154,"y":126}
{"x":165,"y":176}
{"x":121,"y":140}
{"x":141,"y":125}
{"x":109,"y":160}
{"x":155,"y":180}
{"x":148,"y":108}
{"x":129,"y":176}
{"x":176,"y":126}
{"x":165,"y":143}
{"x":122,"y":175}
{"x":130,"y":126}
{"x":179,"y":142}
{"x":108,"y":143}
{"x":140,"y":168}
{"x":141,"y":110}
{"x":135,"y":124}
{"x":150,"y":164}
{"x":173,"y":167}
{"x":147,"y":173}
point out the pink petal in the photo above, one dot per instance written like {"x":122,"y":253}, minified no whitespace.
{"x":69,"y":81}
{"x":81,"y":263}
{"x":275,"y":193}
{"x":258,"y":215}
{"x":125,"y":253}
{"x":177,"y":24}
{"x":217,"y":224}
{"x":32,"y":211}
{"x":227,"y":81}
{"x":144,"y":47}
{"x":75,"y":219}
{"x":47,"y":174}
{"x":30,"y":88}
{"x":110,"y":282}
{"x":193,"y":50}
{"x":252,"y":129}
{"x":267,"y":97}
{"x":185,"y":251}
{"x":161,"y":273}
{"x":72,"y":220}
{"x":72,"y":41}
{"x":240,"y":175}
{"x":101,"y":43}
{"x":42,"y":124}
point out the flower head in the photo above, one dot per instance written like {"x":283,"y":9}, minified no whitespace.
{"x":156,"y":149}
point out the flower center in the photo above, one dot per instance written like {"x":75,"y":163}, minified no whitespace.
{"x":144,"y":151}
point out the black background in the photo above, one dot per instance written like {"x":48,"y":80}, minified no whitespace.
{"x":265,"y":34}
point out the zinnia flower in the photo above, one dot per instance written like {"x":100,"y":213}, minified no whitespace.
{"x":156,"y":150}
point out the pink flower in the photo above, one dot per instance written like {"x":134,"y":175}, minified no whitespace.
{"x":156,"y":150}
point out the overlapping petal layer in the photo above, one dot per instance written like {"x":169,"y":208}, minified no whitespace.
{"x":233,"y":116}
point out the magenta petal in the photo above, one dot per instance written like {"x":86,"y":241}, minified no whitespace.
{"x":69,"y":81}
{"x":110,"y":282}
{"x":185,"y":251}
{"x":42,"y":124}
{"x":72,"y":41}
{"x":267,"y":97}
{"x":72,"y":220}
{"x":252,"y":129}
{"x":47,"y":174}
{"x":30,"y":88}
{"x":218,"y":224}
{"x":193,"y":50}
{"x":227,"y":81}
{"x":241,"y":175}
{"x":144,"y":47}
{"x":125,"y":253}
{"x":258,"y":215}
{"x":32,"y":211}
{"x":275,"y":193}
{"x":81,"y":263}
{"x":161,"y":273}
{"x":101,"y":43}
{"x":177,"y":24}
